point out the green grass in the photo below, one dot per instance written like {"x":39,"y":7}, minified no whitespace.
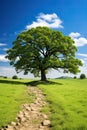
{"x":68,"y":103}
{"x":13,"y":93}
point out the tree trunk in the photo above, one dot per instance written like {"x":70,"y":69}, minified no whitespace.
{"x":43,"y":75}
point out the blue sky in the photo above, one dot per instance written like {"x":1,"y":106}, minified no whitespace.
{"x":68,"y":16}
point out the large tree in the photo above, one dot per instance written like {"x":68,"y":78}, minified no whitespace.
{"x":39,"y":49}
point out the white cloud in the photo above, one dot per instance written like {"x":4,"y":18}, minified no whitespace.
{"x":83,"y":61}
{"x":48,"y":20}
{"x":7,"y":71}
{"x":83,"y":69}
{"x":47,"y":17}
{"x":75,"y":35}
{"x":10,"y":71}
{"x":3,"y":59}
{"x":81,"y":54}
{"x":55,"y":74}
{"x":79,"y":41}
{"x":5,"y":49}
{"x":3,"y":44}
{"x":83,"y":58}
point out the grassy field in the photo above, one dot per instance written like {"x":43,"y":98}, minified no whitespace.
{"x":13,"y":93}
{"x":68,"y":103}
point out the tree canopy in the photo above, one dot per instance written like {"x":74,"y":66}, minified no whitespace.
{"x":39,"y":49}
{"x":82,"y":76}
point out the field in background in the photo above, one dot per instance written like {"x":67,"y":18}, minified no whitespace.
{"x":68,"y":103}
{"x":13,"y":93}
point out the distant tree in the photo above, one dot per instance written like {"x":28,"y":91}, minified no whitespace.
{"x":75,"y":77}
{"x":82,"y":76}
{"x":15,"y":77}
{"x":40,"y":49}
{"x":5,"y":77}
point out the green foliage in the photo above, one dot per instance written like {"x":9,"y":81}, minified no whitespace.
{"x":15,"y":77}
{"x":75,"y":77}
{"x":5,"y":77}
{"x":82,"y":76}
{"x":68,"y":103}
{"x":12,"y":94}
{"x":39,"y":49}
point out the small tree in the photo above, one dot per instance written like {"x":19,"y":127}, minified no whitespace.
{"x":40,"y":49}
{"x":15,"y":77}
{"x":75,"y":77}
{"x":82,"y":76}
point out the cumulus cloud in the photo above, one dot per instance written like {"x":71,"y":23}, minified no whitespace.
{"x":75,"y":35}
{"x":3,"y":44}
{"x":3,"y":59}
{"x":79,"y":40}
{"x":48,"y":20}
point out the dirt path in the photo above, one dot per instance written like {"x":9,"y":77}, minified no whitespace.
{"x":31,"y":117}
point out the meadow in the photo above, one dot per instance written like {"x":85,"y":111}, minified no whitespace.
{"x":13,"y":93}
{"x":67,"y":100}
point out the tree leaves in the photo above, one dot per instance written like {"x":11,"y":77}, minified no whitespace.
{"x":42,"y":48}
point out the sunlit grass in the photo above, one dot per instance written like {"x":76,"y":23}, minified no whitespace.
{"x":67,"y":100}
{"x":68,"y":103}
{"x":13,"y":93}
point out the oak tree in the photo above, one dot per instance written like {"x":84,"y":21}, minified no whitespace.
{"x":40,"y":49}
